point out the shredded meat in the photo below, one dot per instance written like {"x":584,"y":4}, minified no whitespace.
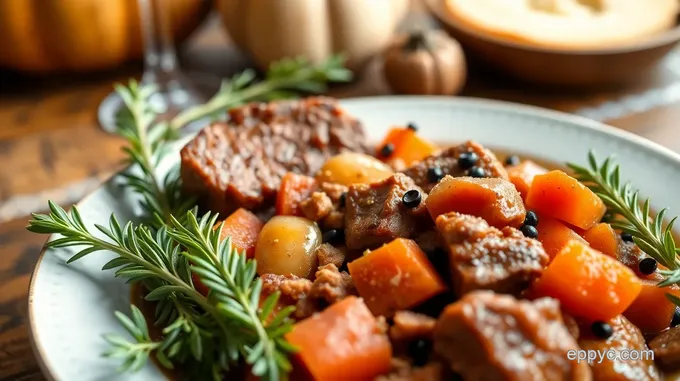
{"x":290,"y":286}
{"x":483,"y":257}
{"x":334,"y":191}
{"x":410,"y":326}
{"x":375,"y":213}
{"x":329,"y":254}
{"x":332,"y":285}
{"x":329,"y":286}
{"x":493,"y":337}
{"x":317,"y":206}
{"x":447,"y":160}
{"x":293,"y":290}
{"x":402,"y":370}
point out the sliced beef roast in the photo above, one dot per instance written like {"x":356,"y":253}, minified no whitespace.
{"x":240,"y":163}
{"x":447,"y":161}
{"x":376,"y":214}
{"x":483,"y":257}
{"x":491,"y":337}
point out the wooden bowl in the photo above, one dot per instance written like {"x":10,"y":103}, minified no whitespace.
{"x":559,"y":67}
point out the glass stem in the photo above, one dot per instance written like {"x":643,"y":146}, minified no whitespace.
{"x":160,"y":58}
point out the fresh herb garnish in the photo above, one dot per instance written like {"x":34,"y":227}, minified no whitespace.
{"x":217,"y":330}
{"x":283,"y":80}
{"x":628,"y":215}
{"x":205,"y":334}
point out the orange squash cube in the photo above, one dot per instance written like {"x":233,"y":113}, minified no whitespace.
{"x":603,"y":238}
{"x":587,"y":283}
{"x":561,"y":196}
{"x":554,"y":235}
{"x":344,"y":342}
{"x":522,"y":175}
{"x":494,"y":199}
{"x":396,"y":276}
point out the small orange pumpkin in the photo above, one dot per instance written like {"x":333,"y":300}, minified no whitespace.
{"x":82,"y":35}
{"x":427,"y":63}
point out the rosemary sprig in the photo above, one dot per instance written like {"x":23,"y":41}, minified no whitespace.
{"x":147,"y":145}
{"x":283,"y":79}
{"x":217,"y":330}
{"x":623,"y":202}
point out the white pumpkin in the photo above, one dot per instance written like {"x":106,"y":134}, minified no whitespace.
{"x":273,"y":29}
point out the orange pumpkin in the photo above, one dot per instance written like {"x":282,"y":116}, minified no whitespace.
{"x":82,"y":35}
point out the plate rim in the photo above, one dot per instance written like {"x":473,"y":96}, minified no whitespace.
{"x":579,"y":122}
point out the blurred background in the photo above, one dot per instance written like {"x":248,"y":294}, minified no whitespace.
{"x":612,"y":61}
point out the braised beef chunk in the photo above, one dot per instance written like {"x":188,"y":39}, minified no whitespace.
{"x":483,"y":257}
{"x":329,"y":254}
{"x":488,"y":337}
{"x":447,"y":161}
{"x":666,"y":349}
{"x":410,"y":326}
{"x":376,"y":214}
{"x":626,"y":337}
{"x":403,"y":370}
{"x":240,"y":163}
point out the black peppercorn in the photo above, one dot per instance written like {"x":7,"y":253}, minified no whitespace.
{"x":626,"y":237}
{"x":512,"y":160}
{"x":529,"y":231}
{"x":434,"y":174}
{"x":387,"y":150}
{"x":342,"y":200}
{"x":647,"y":266}
{"x":476,"y":172}
{"x":467,"y":160}
{"x":419,"y":350}
{"x":412,"y":198}
{"x":676,"y":317}
{"x":412,"y":126}
{"x":332,"y":235}
{"x":602,"y":330}
{"x":531,"y":218}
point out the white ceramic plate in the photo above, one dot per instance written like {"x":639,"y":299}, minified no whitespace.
{"x":71,"y":306}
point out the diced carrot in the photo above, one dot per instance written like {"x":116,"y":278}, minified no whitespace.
{"x":559,"y":195}
{"x":493,"y":199}
{"x":395,"y":136}
{"x":243,"y":227}
{"x":603,"y":238}
{"x":555,"y":235}
{"x":587,"y":283}
{"x":344,"y":342}
{"x":294,"y":189}
{"x":522,"y":175}
{"x":651,"y":311}
{"x":396,"y":276}
{"x":409,"y":147}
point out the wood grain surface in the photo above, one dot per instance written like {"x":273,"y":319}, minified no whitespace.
{"x":52,"y":148}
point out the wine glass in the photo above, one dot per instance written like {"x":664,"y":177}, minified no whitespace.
{"x":175,"y":91}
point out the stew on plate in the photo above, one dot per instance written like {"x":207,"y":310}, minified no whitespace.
{"x":407,"y":261}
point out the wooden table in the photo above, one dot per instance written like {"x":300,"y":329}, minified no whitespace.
{"x":52,"y":148}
